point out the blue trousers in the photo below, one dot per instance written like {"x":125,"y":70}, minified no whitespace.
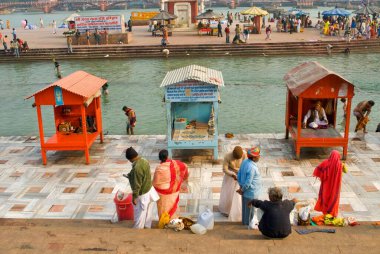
{"x":246,"y":218}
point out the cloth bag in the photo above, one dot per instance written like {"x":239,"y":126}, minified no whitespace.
{"x":206,"y":219}
{"x":198,"y":229}
{"x":258,"y":213}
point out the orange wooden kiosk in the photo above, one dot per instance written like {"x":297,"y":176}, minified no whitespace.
{"x":77,"y":113}
{"x":306,"y":84}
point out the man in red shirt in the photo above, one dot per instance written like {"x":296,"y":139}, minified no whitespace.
{"x":227,"y":31}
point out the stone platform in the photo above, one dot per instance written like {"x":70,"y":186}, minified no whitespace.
{"x":68,"y":189}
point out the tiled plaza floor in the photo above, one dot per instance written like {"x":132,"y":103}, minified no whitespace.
{"x":67,"y":188}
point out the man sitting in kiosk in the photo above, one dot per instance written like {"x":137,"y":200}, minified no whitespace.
{"x":316,"y":117}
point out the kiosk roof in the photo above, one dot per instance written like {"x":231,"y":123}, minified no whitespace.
{"x":300,"y":78}
{"x":193,"y":72}
{"x":80,"y":83}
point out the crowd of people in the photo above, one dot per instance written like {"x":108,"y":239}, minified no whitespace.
{"x":241,"y":188}
{"x":15,"y":45}
{"x":352,"y":28}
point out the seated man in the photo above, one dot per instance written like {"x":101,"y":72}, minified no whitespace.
{"x":275,"y":222}
{"x":317,"y":116}
{"x":362,"y":111}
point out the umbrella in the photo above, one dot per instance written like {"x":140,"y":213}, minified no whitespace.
{"x":254,"y":11}
{"x":336,"y":12}
{"x":209,"y":14}
{"x":296,"y":12}
{"x":71,"y":17}
{"x":366,"y":10}
{"x":164,"y":15}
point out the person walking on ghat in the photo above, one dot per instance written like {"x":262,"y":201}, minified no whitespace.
{"x":14,"y":34}
{"x":131,"y":122}
{"x":362,"y":111}
{"x":249,"y":179}
{"x":130,"y":24}
{"x":105,"y":32}
{"x":97,"y":36}
{"x":144,"y":194}
{"x":268,"y":31}
{"x":41,"y":23}
{"x":54,"y":27}
{"x":88,"y":37}
{"x":230,"y":200}
{"x":220,"y":29}
{"x":69,"y":45}
{"x":227,"y":31}
{"x":5,"y":43}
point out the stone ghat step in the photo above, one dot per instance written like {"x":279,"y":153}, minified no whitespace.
{"x":227,"y":46}
{"x":200,"y":54}
{"x":186,"y":49}
{"x":215,"y":50}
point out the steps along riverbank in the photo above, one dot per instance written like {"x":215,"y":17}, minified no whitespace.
{"x":251,"y":49}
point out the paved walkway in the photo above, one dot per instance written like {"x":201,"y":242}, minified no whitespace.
{"x":88,"y":236}
{"x":68,"y":189}
{"x":44,"y":38}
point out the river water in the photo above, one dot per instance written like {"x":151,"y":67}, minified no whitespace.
{"x":253,"y":99}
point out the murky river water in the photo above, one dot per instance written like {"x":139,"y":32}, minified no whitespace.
{"x":253,"y":99}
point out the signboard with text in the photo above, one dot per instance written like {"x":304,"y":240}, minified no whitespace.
{"x":191,"y":92}
{"x":109,"y":22}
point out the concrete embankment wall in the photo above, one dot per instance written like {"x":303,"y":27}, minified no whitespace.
{"x":254,"y":49}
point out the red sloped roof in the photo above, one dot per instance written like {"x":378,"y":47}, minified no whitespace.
{"x":79,"y":82}
{"x":300,"y":78}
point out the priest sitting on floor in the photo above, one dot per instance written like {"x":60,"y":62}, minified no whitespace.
{"x":316,"y":117}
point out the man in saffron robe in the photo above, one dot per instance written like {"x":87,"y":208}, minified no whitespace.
{"x":167,"y":181}
{"x":330,"y":174}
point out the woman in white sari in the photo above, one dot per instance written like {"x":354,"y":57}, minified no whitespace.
{"x":230,"y":200}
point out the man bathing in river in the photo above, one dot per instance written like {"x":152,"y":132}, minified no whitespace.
{"x":362,"y":111}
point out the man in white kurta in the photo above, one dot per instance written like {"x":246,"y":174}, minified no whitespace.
{"x":230,"y":200}
{"x":317,"y":117}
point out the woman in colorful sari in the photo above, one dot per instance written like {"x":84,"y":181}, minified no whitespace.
{"x":167,"y":181}
{"x":330,"y":174}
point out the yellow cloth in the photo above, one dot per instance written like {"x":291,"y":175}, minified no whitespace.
{"x":326,"y":28}
{"x":164,"y":219}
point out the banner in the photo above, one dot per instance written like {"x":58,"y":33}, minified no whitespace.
{"x":111,"y":22}
{"x":192,"y":92}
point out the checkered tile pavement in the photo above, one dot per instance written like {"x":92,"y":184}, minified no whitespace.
{"x":67,"y":188}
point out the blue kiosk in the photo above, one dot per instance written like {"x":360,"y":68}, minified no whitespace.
{"x":192,"y":105}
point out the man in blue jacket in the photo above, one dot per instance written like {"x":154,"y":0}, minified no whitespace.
{"x":249,"y":179}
